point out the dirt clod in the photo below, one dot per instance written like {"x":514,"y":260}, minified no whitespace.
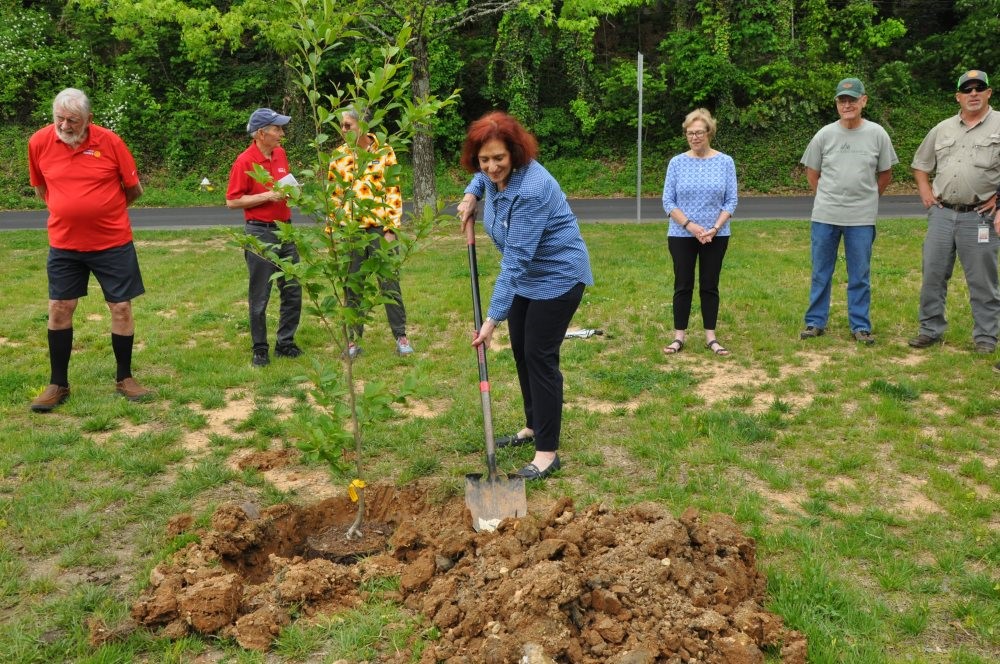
{"x":630,"y":586}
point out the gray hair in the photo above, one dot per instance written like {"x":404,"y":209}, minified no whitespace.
{"x":357,"y":112}
{"x":72,"y":99}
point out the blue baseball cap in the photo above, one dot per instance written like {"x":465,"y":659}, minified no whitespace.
{"x":265,"y":117}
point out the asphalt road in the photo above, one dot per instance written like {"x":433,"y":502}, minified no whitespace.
{"x":587,"y":210}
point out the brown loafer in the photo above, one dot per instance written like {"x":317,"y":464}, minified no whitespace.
{"x":50,"y":398}
{"x":131,"y":389}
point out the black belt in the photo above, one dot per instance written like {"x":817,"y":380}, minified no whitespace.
{"x":958,"y":207}
{"x":265,"y":224}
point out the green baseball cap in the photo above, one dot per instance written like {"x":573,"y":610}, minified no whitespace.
{"x":852,"y":87}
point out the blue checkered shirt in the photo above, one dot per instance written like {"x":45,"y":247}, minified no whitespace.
{"x":537,"y":234}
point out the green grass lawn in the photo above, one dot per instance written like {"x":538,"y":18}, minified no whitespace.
{"x":868,"y":476}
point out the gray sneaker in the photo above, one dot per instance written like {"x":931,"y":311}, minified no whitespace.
{"x":811,"y":332}
{"x":403,"y":346}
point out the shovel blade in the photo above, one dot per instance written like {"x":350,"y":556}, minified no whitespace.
{"x":493,"y":499}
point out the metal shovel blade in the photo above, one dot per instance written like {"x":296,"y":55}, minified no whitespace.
{"x":493,"y":499}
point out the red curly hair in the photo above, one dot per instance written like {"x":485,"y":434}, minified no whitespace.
{"x":505,"y":128}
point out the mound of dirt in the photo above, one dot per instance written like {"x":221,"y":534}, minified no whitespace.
{"x":619,"y":586}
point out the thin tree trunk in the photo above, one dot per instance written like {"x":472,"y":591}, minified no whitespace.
{"x":424,"y":185}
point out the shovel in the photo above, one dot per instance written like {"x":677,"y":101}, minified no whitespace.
{"x":492,"y":498}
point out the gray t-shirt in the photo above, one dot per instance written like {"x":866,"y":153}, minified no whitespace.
{"x":849,"y":161}
{"x":966,"y":158}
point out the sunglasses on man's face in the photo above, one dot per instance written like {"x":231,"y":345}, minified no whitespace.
{"x":973,"y":88}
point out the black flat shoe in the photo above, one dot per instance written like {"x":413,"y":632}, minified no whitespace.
{"x":513,"y":440}
{"x":531,"y":472}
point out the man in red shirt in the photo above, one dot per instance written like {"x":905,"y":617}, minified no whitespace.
{"x":87,"y":178}
{"x":262,"y":208}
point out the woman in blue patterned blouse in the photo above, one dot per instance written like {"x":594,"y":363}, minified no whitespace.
{"x":699,"y":196}
{"x":543,"y":271}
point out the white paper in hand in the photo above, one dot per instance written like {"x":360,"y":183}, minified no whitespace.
{"x":288,"y":181}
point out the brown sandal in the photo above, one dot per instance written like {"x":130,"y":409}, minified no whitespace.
{"x":676,"y":346}
{"x":716,"y":347}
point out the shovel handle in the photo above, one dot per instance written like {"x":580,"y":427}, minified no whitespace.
{"x":484,"y":379}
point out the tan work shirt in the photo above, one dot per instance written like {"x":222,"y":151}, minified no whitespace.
{"x":966,"y":159}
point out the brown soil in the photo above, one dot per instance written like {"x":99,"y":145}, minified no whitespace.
{"x":600,"y":585}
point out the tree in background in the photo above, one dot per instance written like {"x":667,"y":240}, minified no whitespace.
{"x":431,"y":20}
{"x":176,"y":78}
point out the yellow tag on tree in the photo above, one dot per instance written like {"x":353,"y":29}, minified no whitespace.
{"x":352,"y":489}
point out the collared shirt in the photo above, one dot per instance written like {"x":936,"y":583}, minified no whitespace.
{"x":370,"y":186}
{"x":966,"y":158}
{"x":85,"y":188}
{"x":533,"y":227}
{"x":242,"y":184}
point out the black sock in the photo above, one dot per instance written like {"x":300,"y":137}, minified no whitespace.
{"x":122,"y":346}
{"x":60,"y":347}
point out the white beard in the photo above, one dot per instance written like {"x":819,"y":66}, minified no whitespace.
{"x":73,"y":140}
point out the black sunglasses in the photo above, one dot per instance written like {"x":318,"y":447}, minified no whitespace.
{"x":969,"y":88}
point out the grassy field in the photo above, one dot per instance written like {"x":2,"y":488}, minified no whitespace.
{"x":868,"y":476}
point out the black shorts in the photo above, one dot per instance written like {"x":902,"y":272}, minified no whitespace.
{"x":116,"y":269}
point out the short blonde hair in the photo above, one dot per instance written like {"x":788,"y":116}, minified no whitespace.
{"x":705,"y":116}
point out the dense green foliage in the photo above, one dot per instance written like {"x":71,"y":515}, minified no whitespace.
{"x":177,"y":78}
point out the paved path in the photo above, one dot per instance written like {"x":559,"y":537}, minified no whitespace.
{"x":588,"y":210}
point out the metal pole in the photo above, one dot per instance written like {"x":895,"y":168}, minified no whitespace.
{"x":638,"y":169}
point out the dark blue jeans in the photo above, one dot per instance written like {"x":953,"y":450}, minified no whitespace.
{"x":259,"y":293}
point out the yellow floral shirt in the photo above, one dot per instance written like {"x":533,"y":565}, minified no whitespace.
{"x":370,"y":186}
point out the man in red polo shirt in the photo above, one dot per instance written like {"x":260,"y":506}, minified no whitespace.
{"x":87,"y":178}
{"x":262,"y":208}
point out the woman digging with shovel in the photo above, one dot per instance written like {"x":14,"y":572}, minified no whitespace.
{"x":543,"y":271}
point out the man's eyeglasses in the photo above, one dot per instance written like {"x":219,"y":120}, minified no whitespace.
{"x":847,"y":100}
{"x":973,"y":88}
{"x":695,"y":134}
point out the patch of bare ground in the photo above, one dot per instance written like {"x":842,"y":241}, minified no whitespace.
{"x":722,"y":381}
{"x":602,"y":407}
{"x":126,"y":430}
{"x":779,"y":504}
{"x":909,"y":360}
{"x":422,"y":409}
{"x":7,"y":343}
{"x":219,"y":421}
{"x":278,"y":466}
{"x":281,"y":469}
{"x":627,"y":465}
{"x":910,"y":499}
{"x":932,"y":403}
{"x":598,"y":585}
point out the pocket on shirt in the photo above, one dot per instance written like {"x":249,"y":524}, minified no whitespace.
{"x":987,"y":153}
{"x":943,"y":146}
